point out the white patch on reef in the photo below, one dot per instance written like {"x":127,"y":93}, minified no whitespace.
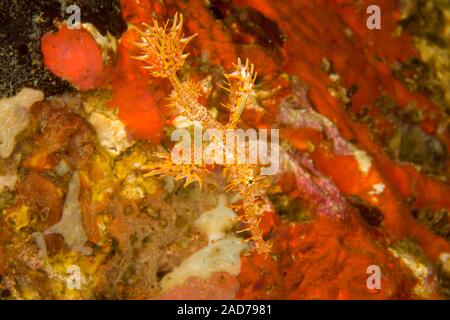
{"x":62,"y":168}
{"x":377,"y":189}
{"x":107,"y":44}
{"x":111,"y":133}
{"x":222,"y":254}
{"x":8,"y":181}
{"x":71,"y":224}
{"x":216,"y":222}
{"x":363,"y":159}
{"x":14,"y":117}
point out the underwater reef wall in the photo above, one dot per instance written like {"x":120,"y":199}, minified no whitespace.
{"x":364,"y":127}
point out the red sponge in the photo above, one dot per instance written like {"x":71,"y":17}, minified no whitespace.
{"x":74,"y":55}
